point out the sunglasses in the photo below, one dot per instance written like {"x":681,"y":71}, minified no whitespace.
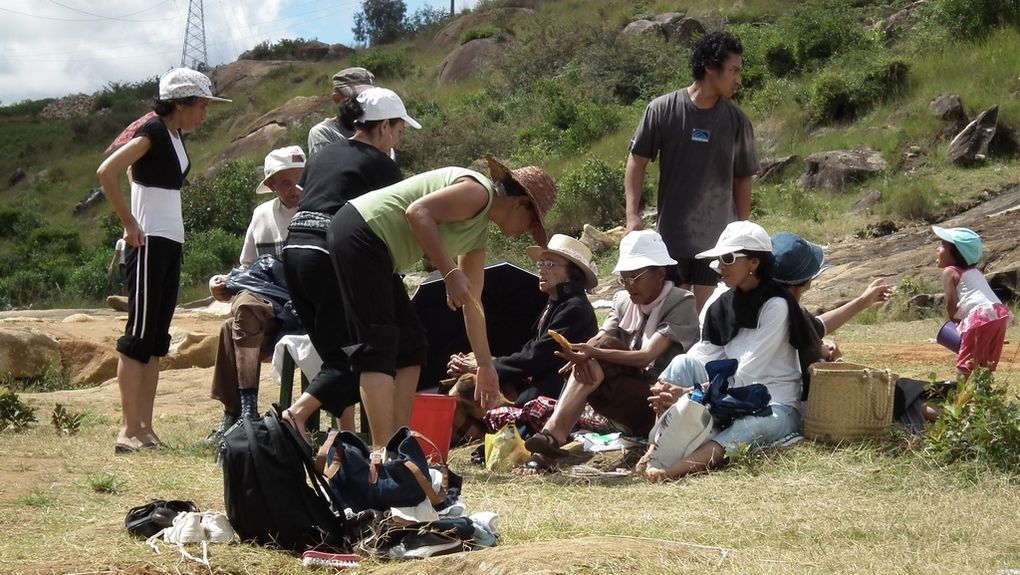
{"x":547,"y":264}
{"x":730,"y":258}
{"x":629,"y":281}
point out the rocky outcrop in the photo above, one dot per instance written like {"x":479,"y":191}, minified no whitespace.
{"x":836,"y":169}
{"x":599,"y":241}
{"x":69,"y":107}
{"x":949,"y":108}
{"x":270,"y":130}
{"x":465,"y":61}
{"x":774,"y":169}
{"x":26,"y":354}
{"x":233,"y":78}
{"x":643,"y":28}
{"x":865,"y":200}
{"x":671,"y":26}
{"x":454,"y":32}
{"x":971,"y":144}
{"x":683,"y":32}
{"x":189,"y":349}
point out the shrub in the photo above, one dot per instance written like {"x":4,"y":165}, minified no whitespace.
{"x":913,"y":202}
{"x":390,"y":64}
{"x":973,"y":19}
{"x":480,"y":32}
{"x":980,"y":422}
{"x":15,"y":414}
{"x":628,"y":69}
{"x":90,"y":280}
{"x":225,"y":201}
{"x":819,"y":32}
{"x":105,"y":483}
{"x":66,"y":422}
{"x":591,"y":194}
{"x":853,"y":84}
{"x":208,"y":253}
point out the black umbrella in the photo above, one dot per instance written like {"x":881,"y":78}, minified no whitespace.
{"x":512,"y":305}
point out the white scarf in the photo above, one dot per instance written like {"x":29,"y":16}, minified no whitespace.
{"x":636,"y":314}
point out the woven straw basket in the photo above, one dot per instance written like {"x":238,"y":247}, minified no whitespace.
{"x":848,"y":401}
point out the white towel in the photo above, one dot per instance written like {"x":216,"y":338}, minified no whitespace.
{"x":304,"y":354}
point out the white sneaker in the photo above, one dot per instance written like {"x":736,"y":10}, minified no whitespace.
{"x":187,"y":528}
{"x":217,"y":527}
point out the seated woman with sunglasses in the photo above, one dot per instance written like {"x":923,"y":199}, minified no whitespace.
{"x":565,"y":272}
{"x":757,"y":322}
{"x":651,"y":322}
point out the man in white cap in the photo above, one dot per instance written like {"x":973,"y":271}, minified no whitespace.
{"x":267,"y":232}
{"x":347,"y":83}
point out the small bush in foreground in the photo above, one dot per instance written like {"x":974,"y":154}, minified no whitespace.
{"x":105,"y":483}
{"x":980,"y":422}
{"x":15,"y":415}
{"x":66,"y":422}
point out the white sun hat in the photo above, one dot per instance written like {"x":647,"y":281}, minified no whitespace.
{"x":278,"y":160}
{"x":741,"y":235}
{"x":383,"y":104}
{"x":642,"y":249}
{"x":186,"y":83}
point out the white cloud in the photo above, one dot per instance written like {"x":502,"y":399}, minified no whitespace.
{"x":59,"y":47}
{"x":51,"y":48}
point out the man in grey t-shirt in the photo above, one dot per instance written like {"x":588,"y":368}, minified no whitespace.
{"x":347,"y":83}
{"x":706,"y":145}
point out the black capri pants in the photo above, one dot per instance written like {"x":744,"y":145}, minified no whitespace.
{"x":153,"y":278}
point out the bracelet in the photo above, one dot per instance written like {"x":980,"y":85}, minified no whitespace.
{"x":450,"y":272}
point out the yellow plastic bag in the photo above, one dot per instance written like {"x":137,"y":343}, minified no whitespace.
{"x":504,"y":450}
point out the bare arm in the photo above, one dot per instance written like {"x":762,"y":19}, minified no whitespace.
{"x":458,"y":202}
{"x":653,"y":348}
{"x":950,"y":279}
{"x":108,"y":173}
{"x":876,"y":292}
{"x":633,"y":183}
{"x":486,"y":380}
{"x":114,"y":261}
{"x":742,"y":197}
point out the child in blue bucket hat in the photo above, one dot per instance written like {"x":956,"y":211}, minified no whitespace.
{"x":981,"y":316}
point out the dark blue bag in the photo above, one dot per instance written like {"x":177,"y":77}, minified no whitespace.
{"x":726,"y":404}
{"x":361,"y":483}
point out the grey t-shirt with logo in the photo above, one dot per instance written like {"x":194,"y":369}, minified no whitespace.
{"x":701,"y":151}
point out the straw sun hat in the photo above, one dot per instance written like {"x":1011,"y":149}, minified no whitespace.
{"x":536,"y":183}
{"x":573,"y":250}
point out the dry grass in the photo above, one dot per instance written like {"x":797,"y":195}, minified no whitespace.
{"x":871,"y":508}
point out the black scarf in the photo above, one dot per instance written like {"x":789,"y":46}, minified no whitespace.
{"x":736,"y":309}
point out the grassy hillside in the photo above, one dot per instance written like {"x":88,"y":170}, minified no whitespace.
{"x":566,"y":94}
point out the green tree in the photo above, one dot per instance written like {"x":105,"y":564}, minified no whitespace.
{"x":380,"y":21}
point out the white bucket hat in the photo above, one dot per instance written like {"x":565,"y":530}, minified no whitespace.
{"x":383,"y":104}
{"x":573,"y":250}
{"x":186,"y":83}
{"x":738,"y":236}
{"x":642,"y":249}
{"x":278,"y":160}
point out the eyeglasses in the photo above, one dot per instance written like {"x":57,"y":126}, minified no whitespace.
{"x":730,"y":258}
{"x":629,"y":281}
{"x":547,"y":264}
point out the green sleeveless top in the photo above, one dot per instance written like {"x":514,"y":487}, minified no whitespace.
{"x":383,"y":211}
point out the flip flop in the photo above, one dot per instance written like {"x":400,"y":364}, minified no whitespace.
{"x":535,"y":466}
{"x":544,"y":443}
{"x":123,"y":448}
{"x":288,"y":418}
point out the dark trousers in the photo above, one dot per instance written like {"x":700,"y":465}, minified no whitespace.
{"x":245,"y":340}
{"x":153,"y":277}
{"x":315,"y":295}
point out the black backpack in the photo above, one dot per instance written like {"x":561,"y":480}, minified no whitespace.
{"x":267,"y":469}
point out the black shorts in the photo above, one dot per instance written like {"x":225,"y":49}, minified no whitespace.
{"x":695,"y":272}
{"x":385,"y":327}
{"x":153,"y":275}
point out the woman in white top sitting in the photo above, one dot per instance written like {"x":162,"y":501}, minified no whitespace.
{"x":756,"y":322}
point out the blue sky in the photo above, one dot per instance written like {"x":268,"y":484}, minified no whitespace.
{"x":52,"y":48}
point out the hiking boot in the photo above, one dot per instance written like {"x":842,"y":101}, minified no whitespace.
{"x":228,"y":421}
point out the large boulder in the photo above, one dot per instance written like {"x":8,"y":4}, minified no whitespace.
{"x":684,"y":32}
{"x":644,"y":28}
{"x":27,"y":354}
{"x":464,"y":61}
{"x":455,"y":30}
{"x":232,"y":79}
{"x":86,"y":361}
{"x":774,"y":169}
{"x":188,"y":349}
{"x":836,"y":169}
{"x":949,"y":108}
{"x":971,"y":144}
{"x":865,"y":200}
{"x":270,"y":130}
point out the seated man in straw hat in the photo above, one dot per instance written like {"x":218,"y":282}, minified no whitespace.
{"x":651,"y":322}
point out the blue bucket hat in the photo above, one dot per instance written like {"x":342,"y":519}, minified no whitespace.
{"x":966,"y":241}
{"x":797,"y":260}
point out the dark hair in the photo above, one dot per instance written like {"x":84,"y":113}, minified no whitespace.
{"x":511,"y":188}
{"x":164,"y":108}
{"x":574,"y":272}
{"x":766,"y":264}
{"x":712,"y":50}
{"x":958,"y":259}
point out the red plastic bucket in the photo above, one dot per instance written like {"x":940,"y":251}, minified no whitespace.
{"x":949,"y":336}
{"x":432,"y":416}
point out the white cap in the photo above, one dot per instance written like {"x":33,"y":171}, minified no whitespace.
{"x":185,"y":83}
{"x":383,"y":104}
{"x":738,"y":236}
{"x":279,"y":160}
{"x":642,"y":249}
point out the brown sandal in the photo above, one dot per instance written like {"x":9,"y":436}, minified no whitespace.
{"x":544,"y":443}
